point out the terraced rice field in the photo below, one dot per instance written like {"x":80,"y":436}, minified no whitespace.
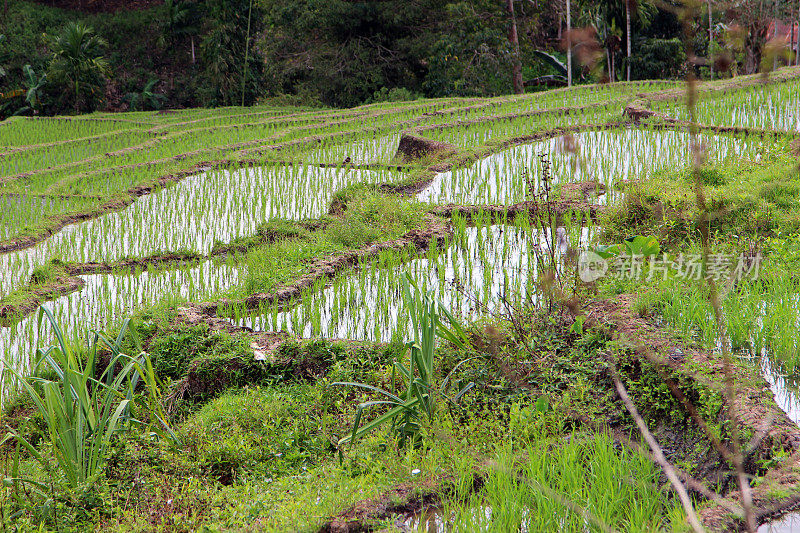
{"x":280,"y":225}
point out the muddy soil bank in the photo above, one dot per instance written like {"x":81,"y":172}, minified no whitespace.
{"x":755,"y":410}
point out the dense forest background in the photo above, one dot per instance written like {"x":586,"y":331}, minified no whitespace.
{"x":71,"y":56}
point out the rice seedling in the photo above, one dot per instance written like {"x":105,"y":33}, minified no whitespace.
{"x":107,"y":299}
{"x":608,"y":157}
{"x":211,"y":207}
{"x":472,"y":276}
{"x":53,"y":171}
{"x":768,"y":106}
{"x":580,"y":484}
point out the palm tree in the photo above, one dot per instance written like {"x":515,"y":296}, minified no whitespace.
{"x":78,"y":60}
{"x":181,"y":21}
{"x":604,"y":17}
{"x":601,"y":18}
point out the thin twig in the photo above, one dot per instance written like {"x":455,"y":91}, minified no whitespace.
{"x":658,"y":454}
{"x":703,"y":225}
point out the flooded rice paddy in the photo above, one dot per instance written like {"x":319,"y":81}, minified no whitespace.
{"x":608,"y":157}
{"x":107,"y":299}
{"x":378,"y":149}
{"x":474,"y":277}
{"x":776,"y":107}
{"x":213,"y":206}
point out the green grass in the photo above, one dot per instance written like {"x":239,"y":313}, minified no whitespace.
{"x":535,"y":488}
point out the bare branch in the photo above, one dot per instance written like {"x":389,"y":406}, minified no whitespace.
{"x":658,"y":454}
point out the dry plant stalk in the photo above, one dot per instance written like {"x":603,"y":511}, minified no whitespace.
{"x":658,"y":454}
{"x":736,"y":456}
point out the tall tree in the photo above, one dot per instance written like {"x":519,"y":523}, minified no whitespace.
{"x":569,"y":44}
{"x":754,"y":17}
{"x":628,"y":36}
{"x":516,"y":64}
{"x":791,"y":39}
{"x":78,"y":63}
{"x":710,"y":41}
{"x":775,"y":35}
{"x":181,"y":21}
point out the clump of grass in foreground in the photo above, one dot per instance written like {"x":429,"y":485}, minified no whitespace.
{"x":422,"y":394}
{"x":582,"y":484}
{"x":82,"y":414}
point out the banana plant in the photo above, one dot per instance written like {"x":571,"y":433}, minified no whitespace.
{"x":33,"y":93}
{"x":420,"y":398}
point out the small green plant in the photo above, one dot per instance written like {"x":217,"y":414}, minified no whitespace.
{"x":638,"y":245}
{"x":147,"y":99}
{"x":421,"y":394}
{"x":82,"y":412}
{"x":35,"y":87}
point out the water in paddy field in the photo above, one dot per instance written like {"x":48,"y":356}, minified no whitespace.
{"x":789,"y":523}
{"x":486,"y":263}
{"x":785,"y":386}
{"x":17,"y":210}
{"x":192,"y":215}
{"x":107,"y":299}
{"x":375,"y":150}
{"x":608,"y":157}
{"x":774,"y":108}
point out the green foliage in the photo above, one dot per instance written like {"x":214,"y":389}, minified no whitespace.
{"x":552,"y":61}
{"x":366,"y":216}
{"x":78,"y":65}
{"x":395,"y":94}
{"x":712,"y":176}
{"x":3,"y":58}
{"x":35,"y":86}
{"x":406,"y":409}
{"x":261,"y":431}
{"x":538,"y":488}
{"x":370,"y":217}
{"x":84,"y":413}
{"x":172,"y":352}
{"x":181,"y":19}
{"x":147,"y":98}
{"x":47,"y":272}
{"x":641,"y":245}
{"x":353,"y":51}
{"x":223,"y":52}
{"x":658,"y":59}
{"x":282,"y":261}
